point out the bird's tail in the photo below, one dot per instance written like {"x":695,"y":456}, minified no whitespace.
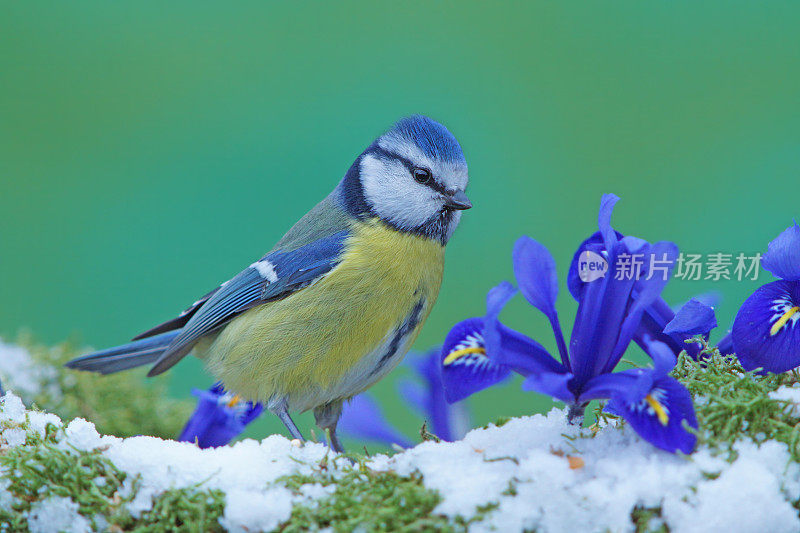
{"x":136,"y":353}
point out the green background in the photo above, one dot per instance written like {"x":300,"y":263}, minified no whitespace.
{"x":148,"y":153}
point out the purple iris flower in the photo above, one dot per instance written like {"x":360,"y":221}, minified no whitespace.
{"x":479,"y":352}
{"x":659,"y":318}
{"x":363,"y":419}
{"x":765,"y":332}
{"x":447,"y":421}
{"x":219,"y":417}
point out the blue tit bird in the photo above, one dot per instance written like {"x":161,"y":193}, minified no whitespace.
{"x":339,"y":300}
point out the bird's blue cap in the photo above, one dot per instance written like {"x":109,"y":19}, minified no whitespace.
{"x":431,"y":137}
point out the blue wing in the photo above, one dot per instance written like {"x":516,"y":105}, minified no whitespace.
{"x":277,"y":275}
{"x":179,"y":321}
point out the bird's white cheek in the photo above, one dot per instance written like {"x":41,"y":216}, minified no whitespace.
{"x":394,"y":195}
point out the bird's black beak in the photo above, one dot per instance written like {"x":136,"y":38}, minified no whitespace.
{"x":458,"y":201}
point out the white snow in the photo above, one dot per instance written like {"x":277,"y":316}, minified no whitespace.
{"x":246,"y":471}
{"x":21,"y":374}
{"x":619,"y":472}
{"x":747,"y":496}
{"x":789,"y":394}
{"x":57,"y":515}
{"x":616,"y":472}
{"x":245,"y":510}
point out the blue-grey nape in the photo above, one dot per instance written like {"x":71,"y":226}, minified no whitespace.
{"x":433,"y":139}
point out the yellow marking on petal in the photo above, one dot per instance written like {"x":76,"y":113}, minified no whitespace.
{"x":661,"y":413}
{"x":234,"y":400}
{"x":776,"y":327}
{"x":461,"y":353}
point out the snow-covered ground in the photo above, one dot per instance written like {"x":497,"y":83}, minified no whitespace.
{"x":243,"y":471}
{"x":567,"y":481}
{"x":533,"y":473}
{"x":542,"y":473}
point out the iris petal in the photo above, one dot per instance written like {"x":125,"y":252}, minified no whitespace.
{"x":574,"y":282}
{"x":658,"y":417}
{"x":426,"y":365}
{"x":655,"y":317}
{"x":694,"y":318}
{"x":783,"y":255}
{"x":362,"y":419}
{"x":552,"y":384}
{"x":664,"y":358}
{"x":766,"y":331}
{"x":447,"y":421}
{"x":648,"y":289}
{"x":725,"y":344}
{"x":523,"y":354}
{"x":630,"y":385}
{"x":415,"y":395}
{"x":659,"y":314}
{"x":604,"y":220}
{"x":511,"y":348}
{"x":634,"y":384}
{"x":496,"y":299}
{"x":603,"y":312}
{"x":594,"y":328}
{"x":535,"y":270}
{"x":218,"y":418}
{"x":466,"y":368}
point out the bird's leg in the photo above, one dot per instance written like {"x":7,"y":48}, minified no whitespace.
{"x":335,"y":443}
{"x":281,"y":412}
{"x":327,"y":416}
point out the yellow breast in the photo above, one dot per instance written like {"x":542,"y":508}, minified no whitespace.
{"x":305,"y":344}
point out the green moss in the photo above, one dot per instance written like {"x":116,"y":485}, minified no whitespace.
{"x":426,"y":435}
{"x":369,"y":501}
{"x":511,"y":490}
{"x":648,"y":520}
{"x":123,"y":404}
{"x":480,"y":513}
{"x":41,"y":469}
{"x":188,"y":509}
{"x":45,"y":467}
{"x":500,"y":422}
{"x":731,"y":403}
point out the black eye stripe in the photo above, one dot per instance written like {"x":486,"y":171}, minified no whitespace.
{"x":432,"y":183}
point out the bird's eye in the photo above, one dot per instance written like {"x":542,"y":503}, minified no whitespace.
{"x":422,"y":175}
